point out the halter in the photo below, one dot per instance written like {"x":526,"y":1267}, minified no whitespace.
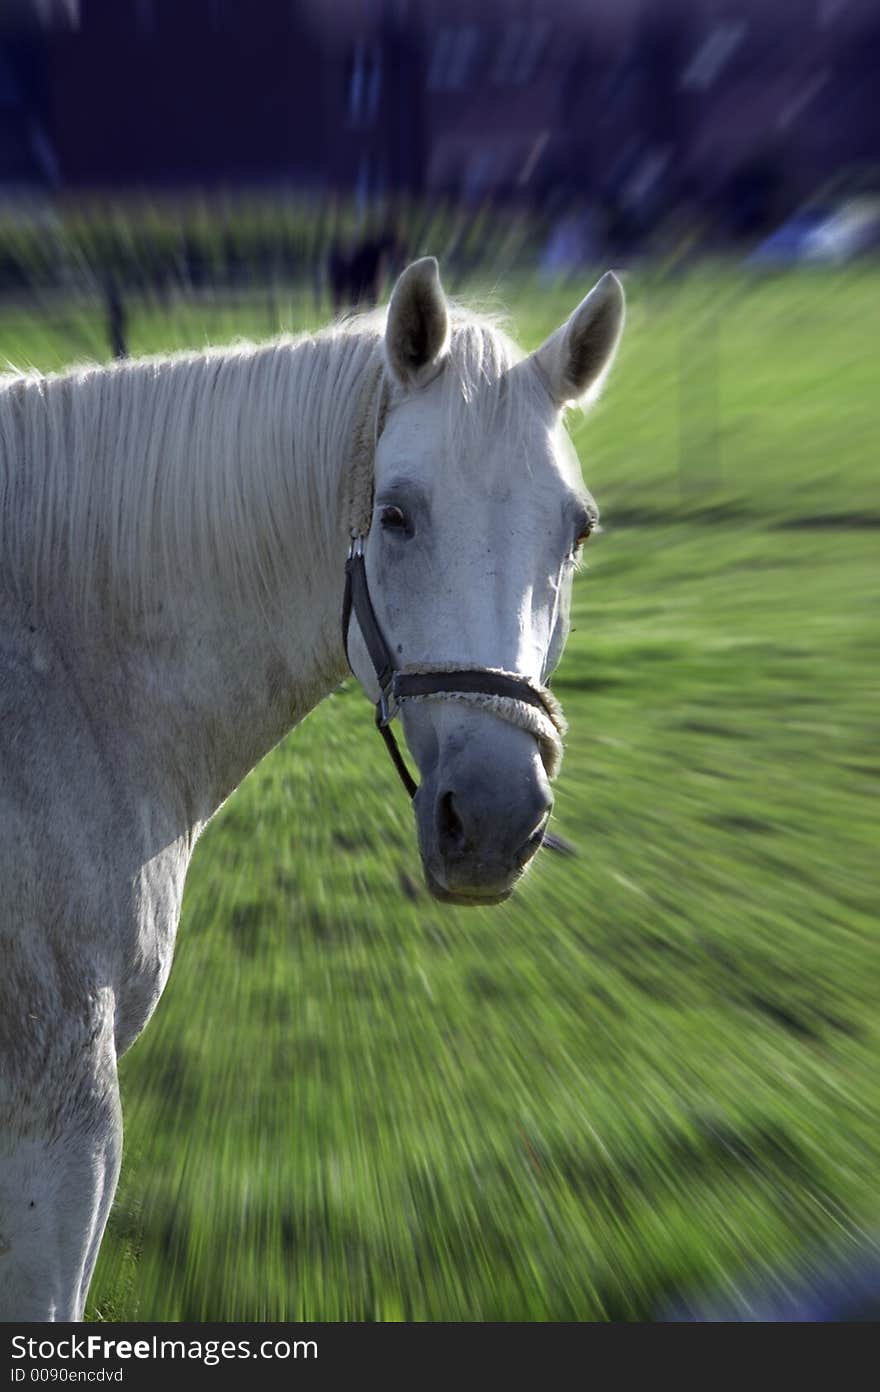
{"x":506,"y":694}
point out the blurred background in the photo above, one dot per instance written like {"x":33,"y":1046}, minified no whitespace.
{"x":153,"y":148}
{"x":648,"y":1086}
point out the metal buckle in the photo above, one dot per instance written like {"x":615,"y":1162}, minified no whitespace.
{"x":389,"y":706}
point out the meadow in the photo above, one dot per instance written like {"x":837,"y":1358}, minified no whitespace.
{"x":653,"y":1074}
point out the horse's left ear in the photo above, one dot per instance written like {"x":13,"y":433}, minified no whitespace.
{"x":417,"y":333}
{"x":576,"y":358}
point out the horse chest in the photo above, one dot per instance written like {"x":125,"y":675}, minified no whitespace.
{"x":146,"y":941}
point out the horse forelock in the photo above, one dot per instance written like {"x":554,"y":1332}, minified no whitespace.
{"x":483,"y":399}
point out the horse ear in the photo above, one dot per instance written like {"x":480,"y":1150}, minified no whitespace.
{"x":578,"y":355}
{"x":417,"y":332}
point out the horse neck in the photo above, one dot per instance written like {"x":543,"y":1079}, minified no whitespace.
{"x":206,"y":678}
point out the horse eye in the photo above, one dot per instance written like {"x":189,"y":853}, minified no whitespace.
{"x":393,"y":519}
{"x":583,"y":535}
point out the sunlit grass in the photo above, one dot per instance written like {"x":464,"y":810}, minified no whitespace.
{"x":654,"y":1072}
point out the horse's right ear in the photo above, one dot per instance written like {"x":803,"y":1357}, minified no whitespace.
{"x":417,"y":332}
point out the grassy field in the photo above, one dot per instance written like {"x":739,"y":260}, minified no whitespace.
{"x":654,"y":1073}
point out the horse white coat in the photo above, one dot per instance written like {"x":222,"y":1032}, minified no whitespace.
{"x":171,"y":571}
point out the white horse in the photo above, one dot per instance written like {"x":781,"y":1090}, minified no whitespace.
{"x":173,"y":534}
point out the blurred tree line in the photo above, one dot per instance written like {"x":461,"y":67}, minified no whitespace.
{"x":154,"y":246}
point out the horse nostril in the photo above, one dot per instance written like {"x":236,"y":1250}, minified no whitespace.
{"x":449,"y":824}
{"x":533,"y":842}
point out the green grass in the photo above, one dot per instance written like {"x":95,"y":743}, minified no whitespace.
{"x":654,"y":1072}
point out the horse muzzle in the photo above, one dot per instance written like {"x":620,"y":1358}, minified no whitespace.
{"x":480,"y":828}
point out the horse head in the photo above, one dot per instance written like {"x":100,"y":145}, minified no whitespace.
{"x":478,"y":517}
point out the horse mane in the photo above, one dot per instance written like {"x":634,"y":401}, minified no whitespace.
{"x":122,"y":485}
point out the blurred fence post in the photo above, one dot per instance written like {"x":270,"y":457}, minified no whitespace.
{"x":115,"y":319}
{"x":699,"y":446}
